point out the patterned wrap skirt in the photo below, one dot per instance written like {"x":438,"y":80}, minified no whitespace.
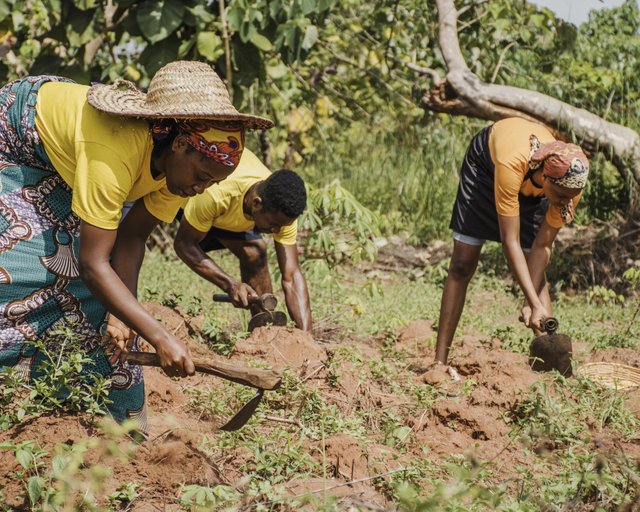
{"x":474,"y":212}
{"x":40,"y":286}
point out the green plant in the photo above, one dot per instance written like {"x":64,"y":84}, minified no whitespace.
{"x":514,"y":338}
{"x":602,"y":295}
{"x":463,"y":491}
{"x":278,"y":463}
{"x":218,"y":336}
{"x":395,"y":432}
{"x":340,"y":227}
{"x":125,"y":494}
{"x":199,"y":498}
{"x":66,"y":379}
{"x":64,"y":479}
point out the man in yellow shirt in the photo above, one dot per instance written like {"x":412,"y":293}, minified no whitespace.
{"x":232,"y":214}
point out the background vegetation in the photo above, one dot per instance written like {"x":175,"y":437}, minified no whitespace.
{"x":334,"y":77}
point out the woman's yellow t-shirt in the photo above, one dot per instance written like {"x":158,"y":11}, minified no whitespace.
{"x":220,"y":205}
{"x":510,"y":152}
{"x":105,"y":159}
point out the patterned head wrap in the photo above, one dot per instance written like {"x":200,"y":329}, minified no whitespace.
{"x":565,"y":164}
{"x":223,"y":143}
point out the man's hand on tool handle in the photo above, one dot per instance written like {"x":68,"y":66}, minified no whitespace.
{"x":240,"y":293}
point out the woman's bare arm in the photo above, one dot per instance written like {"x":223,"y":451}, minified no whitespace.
{"x":115,"y":292}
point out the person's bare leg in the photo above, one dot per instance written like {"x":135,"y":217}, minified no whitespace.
{"x":464,"y":262}
{"x":254,"y":268}
{"x":545,"y":296}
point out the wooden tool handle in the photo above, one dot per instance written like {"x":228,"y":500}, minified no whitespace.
{"x":266,"y":301}
{"x":253,"y":377}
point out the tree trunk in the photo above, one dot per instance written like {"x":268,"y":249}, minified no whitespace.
{"x":463,"y":93}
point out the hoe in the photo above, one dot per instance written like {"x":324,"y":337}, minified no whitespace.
{"x":551,"y":351}
{"x":265,"y":304}
{"x":261,"y":379}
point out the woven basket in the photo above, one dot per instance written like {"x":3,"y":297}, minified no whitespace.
{"x":612,"y":375}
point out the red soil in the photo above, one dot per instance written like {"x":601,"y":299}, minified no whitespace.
{"x":466,"y":418}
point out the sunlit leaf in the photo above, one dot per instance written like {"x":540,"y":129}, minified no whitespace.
{"x":24,"y":457}
{"x":261,"y":42}
{"x":35,"y":486}
{"x":201,"y":13}
{"x":209,"y":45}
{"x":307,"y":6}
{"x":277,"y":71}
{"x":235,"y":17}
{"x":83,"y":5}
{"x":158,"y":19}
{"x":310,"y":37}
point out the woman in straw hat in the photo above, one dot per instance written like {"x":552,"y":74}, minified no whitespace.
{"x":70,"y":157}
{"x":518,"y":186}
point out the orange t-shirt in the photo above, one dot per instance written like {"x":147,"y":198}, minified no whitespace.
{"x":510,"y":152}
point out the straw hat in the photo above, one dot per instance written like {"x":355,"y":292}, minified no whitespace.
{"x":179,"y":90}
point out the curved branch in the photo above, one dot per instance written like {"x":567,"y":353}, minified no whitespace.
{"x":462,"y":92}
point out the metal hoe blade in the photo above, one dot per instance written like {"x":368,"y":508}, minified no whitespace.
{"x":244,"y":414}
{"x":267,"y":317}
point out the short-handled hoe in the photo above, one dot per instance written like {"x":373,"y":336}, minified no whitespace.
{"x":261,"y":379}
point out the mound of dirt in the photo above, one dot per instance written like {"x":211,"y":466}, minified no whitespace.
{"x":348,"y":459}
{"x":168,"y":462}
{"x":281,"y":347}
{"x":410,"y":411}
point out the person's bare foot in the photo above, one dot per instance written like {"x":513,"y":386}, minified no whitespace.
{"x":439,"y":373}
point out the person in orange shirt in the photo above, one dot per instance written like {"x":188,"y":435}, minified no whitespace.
{"x":519,"y":186}
{"x":70,"y":157}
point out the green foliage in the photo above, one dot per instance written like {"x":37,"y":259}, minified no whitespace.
{"x":514,"y":338}
{"x":125,"y":494}
{"x":198,"y":498}
{"x":464,"y":491}
{"x":559,"y":420}
{"x":405,"y":174}
{"x":632,"y":275}
{"x":334,"y":77}
{"x":66,"y":380}
{"x":217,"y":336}
{"x":65,"y":479}
{"x":603,"y":295}
{"x":340,"y":228}
{"x":554,"y":414}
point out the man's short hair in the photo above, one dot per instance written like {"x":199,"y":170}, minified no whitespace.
{"x":284,"y":191}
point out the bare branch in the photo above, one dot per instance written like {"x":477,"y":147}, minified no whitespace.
{"x":435,"y":76}
{"x":500,"y":60}
{"x":463,"y":93}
